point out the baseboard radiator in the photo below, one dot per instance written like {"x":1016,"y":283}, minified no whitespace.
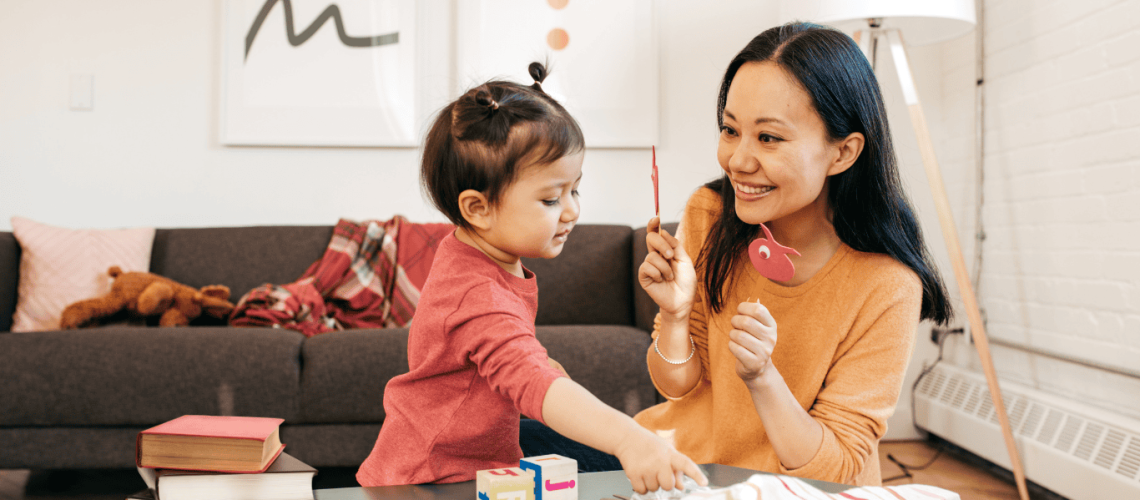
{"x":1075,"y":451}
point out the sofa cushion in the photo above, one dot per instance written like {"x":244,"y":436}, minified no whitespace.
{"x":329,"y":445}
{"x":609,"y":361}
{"x":62,"y":447}
{"x":145,"y":376}
{"x":9,"y":278}
{"x":60,"y":266}
{"x":588,"y":283}
{"x":238,"y":257}
{"x":345,"y":373}
{"x":645,"y":310}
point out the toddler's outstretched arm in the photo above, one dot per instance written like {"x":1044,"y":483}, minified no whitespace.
{"x":649,"y":461}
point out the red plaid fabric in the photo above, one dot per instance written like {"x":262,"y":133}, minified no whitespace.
{"x":369,"y":277}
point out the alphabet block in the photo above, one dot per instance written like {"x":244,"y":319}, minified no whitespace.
{"x":504,"y":484}
{"x":555,"y":476}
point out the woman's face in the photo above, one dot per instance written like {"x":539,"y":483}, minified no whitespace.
{"x":774,"y":146}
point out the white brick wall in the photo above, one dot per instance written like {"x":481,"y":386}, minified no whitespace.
{"x":1061,"y":266}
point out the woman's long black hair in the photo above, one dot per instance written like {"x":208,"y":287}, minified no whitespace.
{"x":869,"y":210}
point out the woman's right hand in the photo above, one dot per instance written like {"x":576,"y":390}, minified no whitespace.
{"x":651,"y":463}
{"x":667,"y":274}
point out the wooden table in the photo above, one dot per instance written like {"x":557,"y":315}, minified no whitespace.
{"x":594,"y":486}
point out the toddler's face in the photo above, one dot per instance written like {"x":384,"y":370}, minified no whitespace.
{"x":536,"y":213}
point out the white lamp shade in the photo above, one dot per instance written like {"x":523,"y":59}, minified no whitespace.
{"x":921,"y":21}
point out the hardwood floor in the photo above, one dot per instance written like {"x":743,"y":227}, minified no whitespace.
{"x":947,"y":471}
{"x":954,"y":469}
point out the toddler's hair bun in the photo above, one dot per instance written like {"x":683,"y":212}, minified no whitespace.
{"x":539,"y":73}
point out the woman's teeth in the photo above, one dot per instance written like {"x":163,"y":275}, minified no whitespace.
{"x":754,"y":190}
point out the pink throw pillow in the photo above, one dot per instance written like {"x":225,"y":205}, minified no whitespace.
{"x":60,"y":266}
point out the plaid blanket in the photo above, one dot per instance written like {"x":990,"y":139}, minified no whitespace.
{"x":369,"y":277}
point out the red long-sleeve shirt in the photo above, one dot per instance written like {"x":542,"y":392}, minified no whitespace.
{"x":474,"y":364}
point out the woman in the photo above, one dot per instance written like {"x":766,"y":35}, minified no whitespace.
{"x":806,"y":150}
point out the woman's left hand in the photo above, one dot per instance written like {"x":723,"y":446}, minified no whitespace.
{"x":752,"y":339}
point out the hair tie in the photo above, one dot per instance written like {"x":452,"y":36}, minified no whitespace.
{"x":483,"y":98}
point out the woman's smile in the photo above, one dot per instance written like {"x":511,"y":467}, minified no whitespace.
{"x":752,"y":192}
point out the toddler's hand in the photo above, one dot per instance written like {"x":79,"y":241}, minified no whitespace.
{"x":651,"y":463}
{"x":667,"y":274}
{"x":752,"y":339}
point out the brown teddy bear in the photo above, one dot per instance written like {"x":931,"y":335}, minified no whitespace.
{"x":149,"y":294}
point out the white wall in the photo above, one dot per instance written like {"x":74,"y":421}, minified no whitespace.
{"x":1061,"y":262}
{"x":148,"y":154}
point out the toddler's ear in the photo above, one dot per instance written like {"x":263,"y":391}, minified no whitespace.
{"x":475,"y":209}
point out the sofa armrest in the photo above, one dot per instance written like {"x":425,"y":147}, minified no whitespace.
{"x":644,"y":310}
{"x":9,"y":278}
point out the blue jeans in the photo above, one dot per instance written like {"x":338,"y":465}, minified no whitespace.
{"x":537,"y":439}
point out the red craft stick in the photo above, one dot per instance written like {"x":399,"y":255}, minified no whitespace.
{"x":656,"y":200}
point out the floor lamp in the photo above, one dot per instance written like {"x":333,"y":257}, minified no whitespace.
{"x":878,"y":22}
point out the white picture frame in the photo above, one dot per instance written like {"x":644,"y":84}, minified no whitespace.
{"x":606,"y":76}
{"x":319,"y":89}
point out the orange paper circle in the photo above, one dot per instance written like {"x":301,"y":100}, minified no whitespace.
{"x":558,"y":4}
{"x":558,"y":39}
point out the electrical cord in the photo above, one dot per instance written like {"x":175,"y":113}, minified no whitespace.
{"x":906,"y":469}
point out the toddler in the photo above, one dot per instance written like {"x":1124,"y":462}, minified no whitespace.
{"x":503,"y":163}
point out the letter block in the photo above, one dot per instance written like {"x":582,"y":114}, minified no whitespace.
{"x":504,"y":484}
{"x":555,"y":476}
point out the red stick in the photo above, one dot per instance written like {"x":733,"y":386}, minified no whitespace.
{"x":656,"y":200}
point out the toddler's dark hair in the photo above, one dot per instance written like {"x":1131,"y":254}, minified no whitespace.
{"x":481,"y":140}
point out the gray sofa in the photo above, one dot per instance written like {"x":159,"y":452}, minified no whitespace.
{"x":75,"y":399}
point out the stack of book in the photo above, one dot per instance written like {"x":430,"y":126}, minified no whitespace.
{"x":220,"y":458}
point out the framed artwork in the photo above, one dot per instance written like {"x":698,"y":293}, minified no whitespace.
{"x":602,"y":55}
{"x":319,"y":73}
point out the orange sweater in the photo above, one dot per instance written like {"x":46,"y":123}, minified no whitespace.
{"x":845,"y":338}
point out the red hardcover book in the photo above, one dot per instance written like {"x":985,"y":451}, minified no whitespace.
{"x":211,"y":443}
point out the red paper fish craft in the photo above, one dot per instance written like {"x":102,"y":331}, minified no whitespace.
{"x":771,"y":258}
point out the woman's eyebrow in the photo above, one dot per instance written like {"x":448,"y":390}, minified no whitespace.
{"x":777,"y":121}
{"x":728,"y":114}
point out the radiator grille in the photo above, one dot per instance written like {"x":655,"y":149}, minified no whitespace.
{"x":1032,"y":420}
{"x":1090,"y":443}
{"x":951,"y":388}
{"x":1069,"y":433}
{"x":1088,"y":440}
{"x":1110,"y":449}
{"x":961,"y":394}
{"x":975,"y":399}
{"x":1130,"y":462}
{"x":1049,"y":429}
{"x":986,"y":409}
{"x":1017,"y":408}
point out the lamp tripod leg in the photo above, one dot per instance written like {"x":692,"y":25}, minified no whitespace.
{"x":950,"y":234}
{"x":865,"y":39}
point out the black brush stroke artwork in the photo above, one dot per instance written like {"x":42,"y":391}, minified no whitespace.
{"x":295,"y":39}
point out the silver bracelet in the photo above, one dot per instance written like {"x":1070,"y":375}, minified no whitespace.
{"x":667,"y":360}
